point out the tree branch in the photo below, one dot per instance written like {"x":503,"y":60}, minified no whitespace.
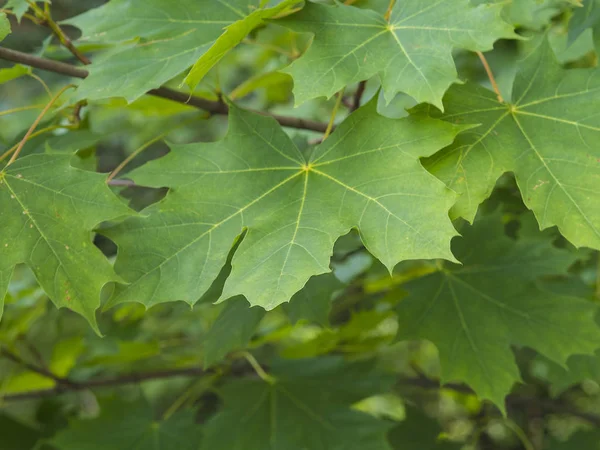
{"x":37,"y":369}
{"x":162,"y":92}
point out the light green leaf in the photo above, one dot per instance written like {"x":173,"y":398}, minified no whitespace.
{"x":231,"y":331}
{"x":308,"y":407}
{"x":412,"y":53}
{"x":166,"y":38}
{"x":419,"y":432}
{"x":532,"y":14}
{"x":233,"y":35}
{"x":4,"y":26}
{"x":474,"y":313}
{"x":365,"y":175}
{"x":47,"y":212}
{"x":552,"y":110}
{"x":125,"y":426}
{"x":313,"y":302}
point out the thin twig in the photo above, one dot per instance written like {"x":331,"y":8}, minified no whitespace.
{"x":163,"y":92}
{"x":262,"y":374}
{"x":36,"y":122}
{"x":490,"y":75}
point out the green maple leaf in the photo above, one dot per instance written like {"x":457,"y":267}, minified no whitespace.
{"x":307,"y":407}
{"x":366,"y":175}
{"x":4,"y":26}
{"x":20,"y":7}
{"x":578,"y":369}
{"x":125,"y":426}
{"x":552,"y":110}
{"x":412,"y":53}
{"x":170,"y":37}
{"x":475,"y":312}
{"x":47,"y":212}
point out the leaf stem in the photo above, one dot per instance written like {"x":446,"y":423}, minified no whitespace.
{"x":36,"y":123}
{"x":388,"y":13}
{"x":257,"y":367}
{"x":598,"y":278}
{"x":42,"y":82}
{"x":336,"y":107}
{"x":490,"y":75}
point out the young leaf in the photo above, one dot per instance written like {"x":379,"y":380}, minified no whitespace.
{"x":552,"y":110}
{"x":47,"y":212}
{"x":233,"y":35}
{"x":366,"y":175}
{"x":308,"y":407}
{"x":475,"y":312}
{"x":170,"y":36}
{"x":412,"y":53}
{"x":125,"y":426}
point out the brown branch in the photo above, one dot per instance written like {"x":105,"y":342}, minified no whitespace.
{"x":163,"y":92}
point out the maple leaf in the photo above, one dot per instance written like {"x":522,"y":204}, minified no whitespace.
{"x":47,"y":212}
{"x":4,"y":26}
{"x":130,"y":426}
{"x":366,"y":175}
{"x":473,"y":313}
{"x":412,"y":53}
{"x":552,"y":110}
{"x":307,"y":407}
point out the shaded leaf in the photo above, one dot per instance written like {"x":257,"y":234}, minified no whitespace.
{"x":232,"y":330}
{"x":475,"y":312}
{"x":124,"y":426}
{"x":313,"y":302}
{"x":308,"y":407}
{"x":419,"y":432}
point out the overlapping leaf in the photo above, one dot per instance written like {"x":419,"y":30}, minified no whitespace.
{"x":308,"y":407}
{"x":366,"y":175}
{"x":583,"y":18}
{"x":548,"y":136}
{"x":169,"y":38}
{"x":123,"y":426}
{"x":475,"y":312}
{"x":412,"y":53}
{"x":47,"y":212}
{"x":532,"y":14}
{"x":419,"y":432}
